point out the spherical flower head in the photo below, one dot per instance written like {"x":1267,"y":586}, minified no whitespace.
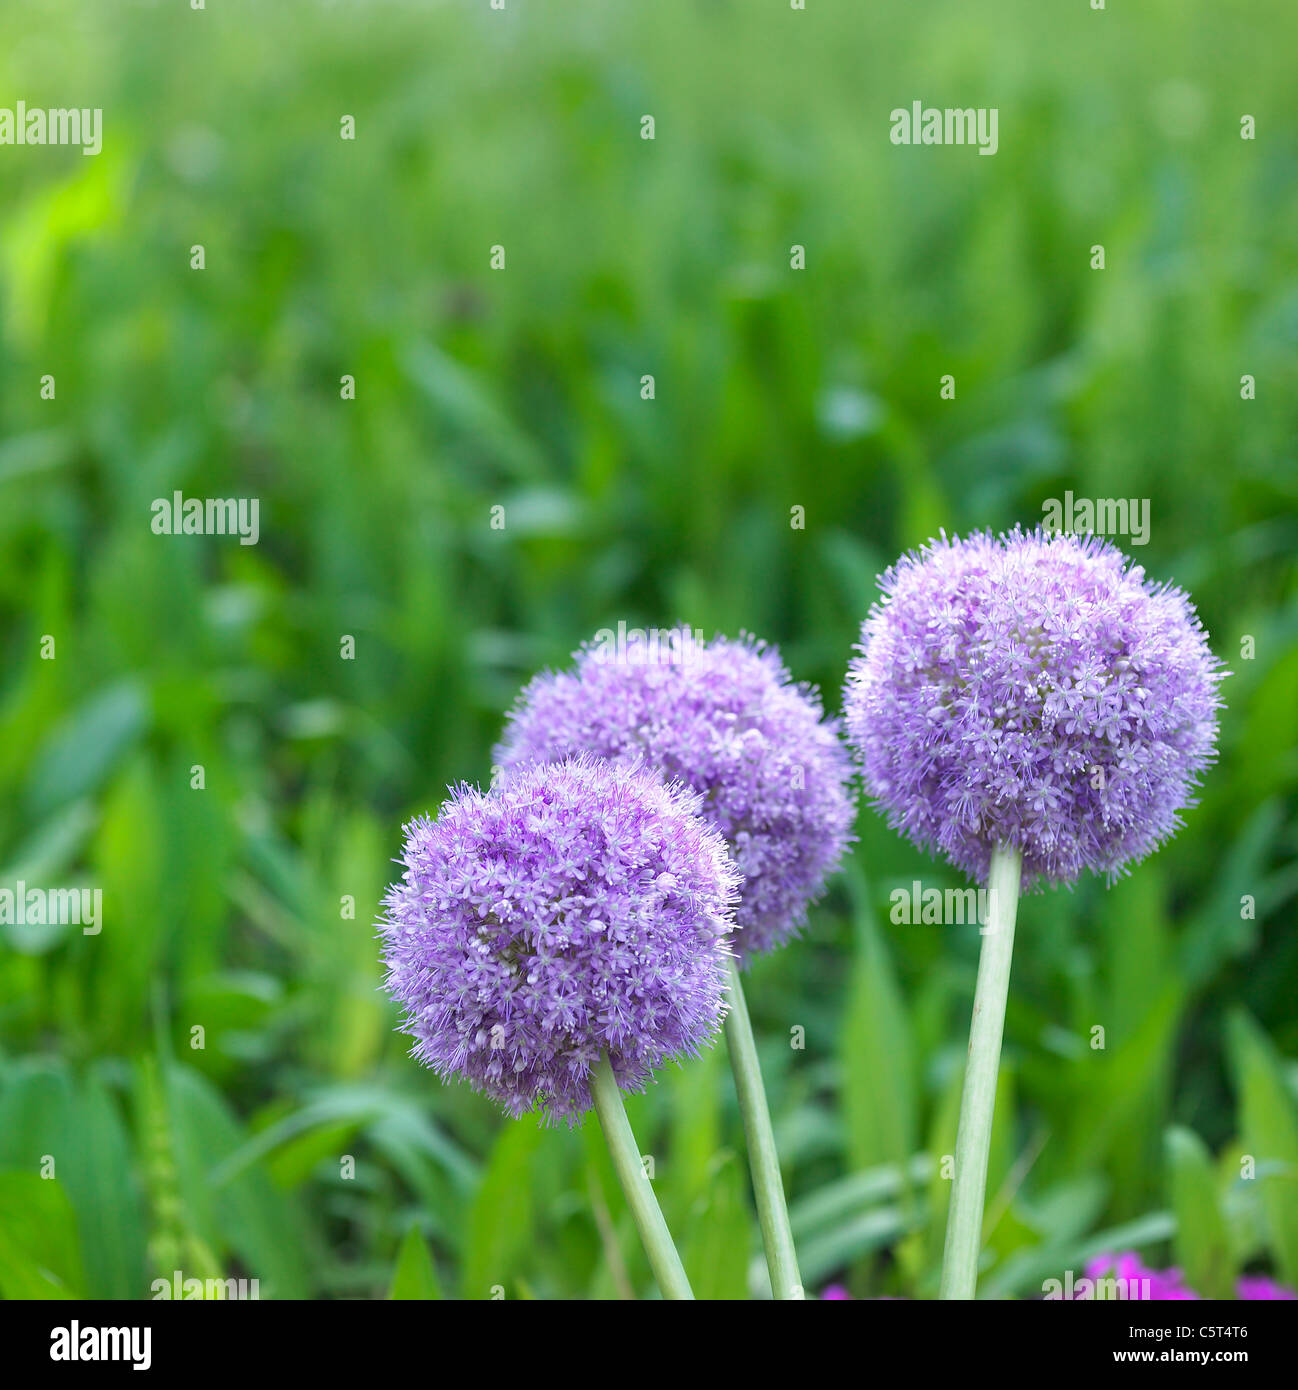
{"x":582,"y":909}
{"x":725,"y":718}
{"x":1035,"y":691}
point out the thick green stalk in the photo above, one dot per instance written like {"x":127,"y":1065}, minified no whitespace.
{"x":978,"y":1101}
{"x":663,"y":1259}
{"x":764,"y":1162}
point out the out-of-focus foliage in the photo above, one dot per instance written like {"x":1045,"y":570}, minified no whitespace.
{"x":297,"y":1145}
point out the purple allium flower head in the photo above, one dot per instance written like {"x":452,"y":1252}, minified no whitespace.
{"x":584,"y":908}
{"x":1036,"y":691}
{"x":725,"y":718}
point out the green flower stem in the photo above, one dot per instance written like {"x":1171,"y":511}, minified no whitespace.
{"x":768,"y":1186}
{"x":978,"y":1101}
{"x":663,"y":1259}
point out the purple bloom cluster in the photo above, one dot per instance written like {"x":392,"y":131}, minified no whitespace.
{"x":1258,"y":1288}
{"x":1168,"y":1285}
{"x":584,"y":908}
{"x":1156,"y":1285}
{"x":1035,"y":691}
{"x":725,"y":718}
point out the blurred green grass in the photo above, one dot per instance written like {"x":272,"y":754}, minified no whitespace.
{"x":774,"y":389}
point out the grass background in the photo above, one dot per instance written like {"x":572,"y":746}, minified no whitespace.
{"x":520,"y":388}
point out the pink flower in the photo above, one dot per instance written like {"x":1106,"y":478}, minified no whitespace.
{"x":1255,"y":1286}
{"x":1139,"y":1282}
{"x":1166,"y":1285}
